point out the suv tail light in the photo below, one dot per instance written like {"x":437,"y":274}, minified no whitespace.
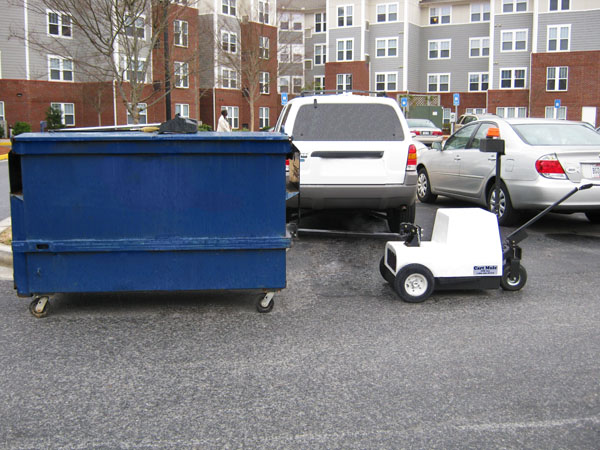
{"x":549,"y":166}
{"x":411,"y":161}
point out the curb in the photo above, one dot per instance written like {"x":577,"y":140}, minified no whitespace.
{"x":6,"y":255}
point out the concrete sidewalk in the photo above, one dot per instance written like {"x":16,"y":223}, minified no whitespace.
{"x":6,"y":258}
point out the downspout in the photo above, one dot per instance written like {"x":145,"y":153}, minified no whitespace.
{"x":492,"y":46}
{"x":534,"y":49}
{"x":26,"y":26}
{"x":405,"y":50}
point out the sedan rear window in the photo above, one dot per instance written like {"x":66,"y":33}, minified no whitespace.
{"x":347,"y":122}
{"x":420,"y":123}
{"x":556,"y":134}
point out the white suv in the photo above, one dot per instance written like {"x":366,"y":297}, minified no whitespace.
{"x":356,"y":152}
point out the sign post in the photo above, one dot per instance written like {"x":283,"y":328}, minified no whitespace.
{"x":456,"y":102}
{"x":556,"y":107}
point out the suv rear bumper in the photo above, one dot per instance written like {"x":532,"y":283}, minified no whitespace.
{"x":376,"y":197}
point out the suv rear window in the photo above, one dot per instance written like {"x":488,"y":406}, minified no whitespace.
{"x":347,"y":122}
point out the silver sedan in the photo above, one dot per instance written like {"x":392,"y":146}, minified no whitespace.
{"x":425,"y":131}
{"x":544,"y":160}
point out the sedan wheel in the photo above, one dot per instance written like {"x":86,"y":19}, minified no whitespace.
{"x":506,"y":214}
{"x":424,"y":187}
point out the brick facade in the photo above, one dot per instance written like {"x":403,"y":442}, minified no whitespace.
{"x":507,"y":98}
{"x":358,"y":69}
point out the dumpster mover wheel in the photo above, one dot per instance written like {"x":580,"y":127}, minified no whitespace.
{"x":513,"y":282}
{"x":39,"y":306}
{"x":414,"y":283}
{"x":266,"y":303}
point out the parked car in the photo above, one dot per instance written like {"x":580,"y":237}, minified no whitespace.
{"x":356,"y":152}
{"x":425,"y":131}
{"x":544,"y":160}
{"x":468,"y":118}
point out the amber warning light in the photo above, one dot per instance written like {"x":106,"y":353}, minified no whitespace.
{"x":493,"y":132}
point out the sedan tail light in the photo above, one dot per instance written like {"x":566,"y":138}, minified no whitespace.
{"x":417,"y":133}
{"x":411,"y":161}
{"x":549,"y":166}
{"x":438,"y":133}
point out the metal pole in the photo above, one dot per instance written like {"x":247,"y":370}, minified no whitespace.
{"x":166,"y":53}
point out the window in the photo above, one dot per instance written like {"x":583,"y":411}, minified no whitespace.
{"x":132,"y":71}
{"x":560,"y":5}
{"x":60,"y":69}
{"x":556,"y":78}
{"x":387,"y":12}
{"x":181,"y":75}
{"x":438,"y":82}
{"x":229,"y":78}
{"x":320,"y":23}
{"x":233,"y":116}
{"x":263,"y":117}
{"x":447,"y":115}
{"x":556,"y":113}
{"x":387,"y":48}
{"x":344,"y":14}
{"x":142,"y":114}
{"x":263,"y":11}
{"x":509,"y":112}
{"x":183,"y":109}
{"x":439,"y":15}
{"x":59,"y":24}
{"x":284,"y":51}
{"x":180,"y":33}
{"x":228,"y":7}
{"x":344,"y":82}
{"x":479,"y":47}
{"x":387,"y":81}
{"x":229,"y":42}
{"x":296,"y":85}
{"x":509,"y":6}
{"x":558,"y":38}
{"x":2,"y":117}
{"x":512,"y":78}
{"x":297,"y":53}
{"x":478,"y":81}
{"x":480,"y":12}
{"x":263,"y":47}
{"x":135,"y":27}
{"x":514,"y":40}
{"x":320,"y":55}
{"x":284,"y":22}
{"x":319,"y":83}
{"x":475,"y":110}
{"x":284,"y":84}
{"x":344,"y":49}
{"x":67,"y":112}
{"x":263,"y":82}
{"x":297,"y":22}
{"x":439,"y":49}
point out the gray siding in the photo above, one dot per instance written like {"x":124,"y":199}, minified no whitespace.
{"x":584,"y":29}
{"x":394,"y":64}
{"x":207,"y":51}
{"x":512,"y":59}
{"x":414,"y":67}
{"x":12,"y":47}
{"x":344,"y":33}
{"x":309,"y":44}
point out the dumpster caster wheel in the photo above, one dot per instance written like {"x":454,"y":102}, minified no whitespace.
{"x":266,"y":303}
{"x":39,"y":306}
{"x":513,"y":281}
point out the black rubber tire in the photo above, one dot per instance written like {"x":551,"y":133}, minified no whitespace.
{"x":593,"y":216}
{"x":424,"y":193}
{"x":35,"y":313}
{"x":421,"y":276}
{"x":507,"y":215}
{"x":513,"y":283}
{"x":404,"y":214}
{"x":385,"y":272}
{"x":265,"y":309}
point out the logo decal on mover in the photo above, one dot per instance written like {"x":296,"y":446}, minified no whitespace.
{"x":485,"y":270}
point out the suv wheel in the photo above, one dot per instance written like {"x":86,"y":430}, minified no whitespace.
{"x":396,"y":216}
{"x":424,"y":193}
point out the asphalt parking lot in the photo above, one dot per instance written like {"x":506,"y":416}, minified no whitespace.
{"x":339,"y":363}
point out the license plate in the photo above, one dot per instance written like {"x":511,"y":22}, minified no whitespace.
{"x":425,"y":133}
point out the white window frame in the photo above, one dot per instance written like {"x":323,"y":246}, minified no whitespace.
{"x":63,"y":113}
{"x":141,"y":69}
{"x":388,"y":15}
{"x":440,"y":12}
{"x":263,"y":11}
{"x":438,"y":48}
{"x":280,"y":85}
{"x":183,"y":109}
{"x":475,"y":110}
{"x":319,"y":82}
{"x":61,"y":69}
{"x":181,"y":71}
{"x":481,"y":9}
{"x":135,"y":27}
{"x":263,"y":117}
{"x":229,"y":7}
{"x":227,"y":38}
{"x":233,"y":116}
{"x":345,"y":49}
{"x":61,"y":27}
{"x":297,"y":87}
{"x":297,"y":53}
{"x":321,"y":54}
{"x":514,"y":6}
{"x":560,"y":5}
{"x":518,"y":111}
{"x":263,"y":47}
{"x":284,"y":22}
{"x":284,"y":53}
{"x":343,"y":85}
{"x":297,"y":22}
{"x":557,"y":78}
{"x":2,"y":116}
{"x":559,"y":113}
{"x":229,"y":75}
{"x":558,"y":38}
{"x":143,"y":114}
{"x":513,"y":40}
{"x":513,"y":71}
{"x":347,"y":17}
{"x":438,"y":77}
{"x":180,"y":33}
{"x":264,"y":79}
{"x":387,"y":48}
{"x":386,"y":81}
{"x":480,"y":46}
{"x":320,"y":22}
{"x":480,"y":82}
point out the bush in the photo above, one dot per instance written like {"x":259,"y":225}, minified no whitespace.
{"x":204,"y":127}
{"x":54,"y":118}
{"x":21,"y":127}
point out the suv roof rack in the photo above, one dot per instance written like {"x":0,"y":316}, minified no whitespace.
{"x":308,"y":93}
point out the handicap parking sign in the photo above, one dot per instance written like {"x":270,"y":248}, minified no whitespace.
{"x":284,"y":98}
{"x":557,"y":103}
{"x":404,"y":102}
{"x":456,"y":99}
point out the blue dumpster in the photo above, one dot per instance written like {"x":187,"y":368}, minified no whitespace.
{"x":133,"y":211}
